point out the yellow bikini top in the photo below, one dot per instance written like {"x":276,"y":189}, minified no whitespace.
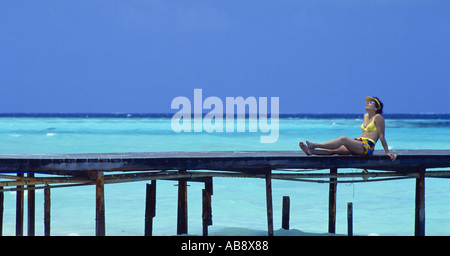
{"x":371,"y":127}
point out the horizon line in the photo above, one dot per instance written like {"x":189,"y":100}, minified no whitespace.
{"x":143,"y":114}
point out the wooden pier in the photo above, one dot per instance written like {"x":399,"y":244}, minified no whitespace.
{"x":24,"y":172}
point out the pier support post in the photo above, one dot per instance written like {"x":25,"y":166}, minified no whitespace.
{"x":2,"y":199}
{"x":206,"y":206}
{"x":206,"y":216}
{"x":150,"y":207}
{"x":332,"y":203}
{"x":350,"y":219}
{"x":182,"y":218}
{"x":100,"y":205}
{"x":19,"y":208}
{"x":269,"y":202}
{"x":419,"y":227}
{"x":47,"y":210}
{"x":285,"y":213}
{"x":31,"y":208}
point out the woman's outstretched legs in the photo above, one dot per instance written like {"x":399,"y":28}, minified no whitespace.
{"x":342,"y":150}
{"x":341,"y":146}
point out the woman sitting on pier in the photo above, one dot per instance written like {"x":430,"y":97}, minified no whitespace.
{"x":372,"y":130}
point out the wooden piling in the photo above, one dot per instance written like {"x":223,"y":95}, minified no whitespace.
{"x":206,"y":200}
{"x":100,"y":205}
{"x":206,"y":206}
{"x":31,"y":207}
{"x":269,"y":202}
{"x":209,"y":185}
{"x":350,"y":219}
{"x":332,"y":203}
{"x":2,"y":199}
{"x":209,"y":190}
{"x":150,"y":208}
{"x":419,"y":227}
{"x":19,"y":208}
{"x":285,"y":213}
{"x":47,"y":210}
{"x":182,"y":217}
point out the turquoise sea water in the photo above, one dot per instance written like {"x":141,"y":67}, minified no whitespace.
{"x":384,"y":208}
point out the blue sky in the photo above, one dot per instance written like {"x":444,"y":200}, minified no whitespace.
{"x":137,"y":56}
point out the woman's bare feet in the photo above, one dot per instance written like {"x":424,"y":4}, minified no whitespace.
{"x":310,"y":145}
{"x":304,"y":148}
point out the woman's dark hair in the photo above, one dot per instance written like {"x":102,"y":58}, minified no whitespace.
{"x":379,"y":108}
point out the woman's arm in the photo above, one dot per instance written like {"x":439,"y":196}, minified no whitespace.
{"x":379,"y":123}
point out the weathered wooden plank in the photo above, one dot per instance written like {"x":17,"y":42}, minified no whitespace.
{"x":219,"y":160}
{"x":201,"y":176}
